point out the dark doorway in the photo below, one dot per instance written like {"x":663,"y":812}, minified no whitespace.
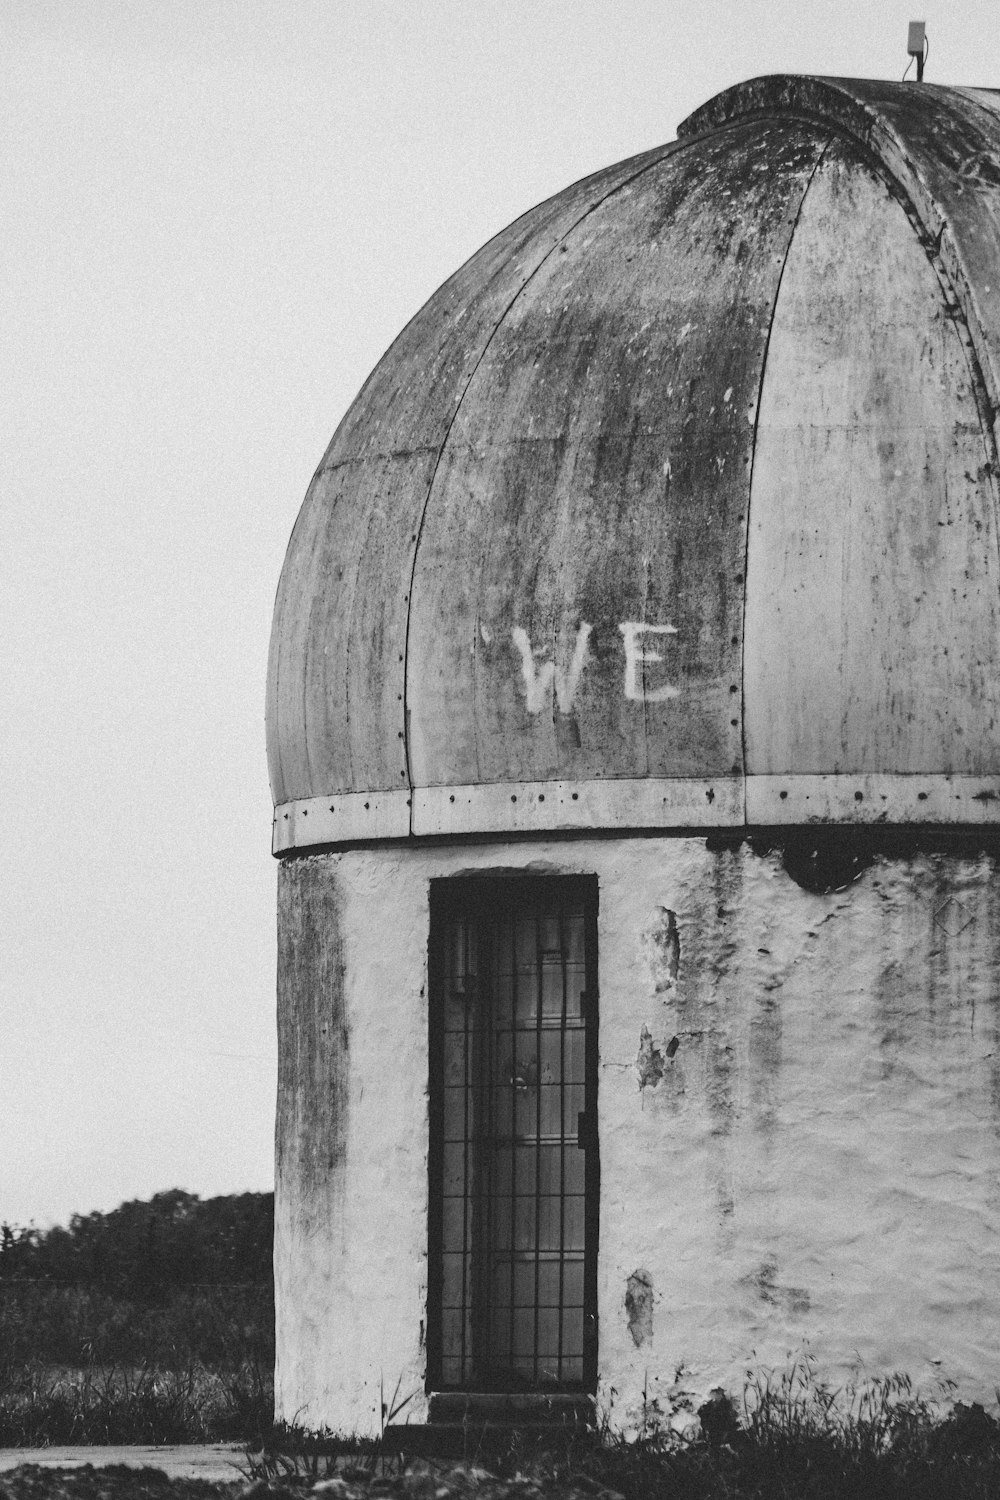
{"x":514,"y":1172}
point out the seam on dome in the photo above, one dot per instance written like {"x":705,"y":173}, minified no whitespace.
{"x":951,"y":297}
{"x":968,"y":93}
{"x":869,"y":127}
{"x":324,"y":466}
{"x":952,"y":289}
{"x":672,"y":148}
{"x":753,"y":455}
{"x":939,"y":235}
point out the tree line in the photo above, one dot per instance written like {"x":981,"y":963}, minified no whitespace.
{"x":173,"y":1239}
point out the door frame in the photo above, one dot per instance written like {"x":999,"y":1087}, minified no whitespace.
{"x":474,"y":896}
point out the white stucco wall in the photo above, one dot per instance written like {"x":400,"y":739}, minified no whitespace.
{"x":814,"y":1170}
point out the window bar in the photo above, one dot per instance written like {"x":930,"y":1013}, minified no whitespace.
{"x":540,"y":992}
{"x":562,"y":1136}
{"x":497,"y":1147}
{"x":438,"y":972}
{"x":592,"y":1155}
{"x":488,"y":1149}
{"x":481,"y":1150}
{"x":466,"y":1151}
{"x":515,"y":999}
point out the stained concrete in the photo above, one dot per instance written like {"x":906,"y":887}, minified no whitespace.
{"x":812,"y":1168}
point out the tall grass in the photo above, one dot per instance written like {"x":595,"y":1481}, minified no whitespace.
{"x":40,"y":1405}
{"x":96,"y":1365}
{"x":795,"y":1437}
{"x":791,"y":1437}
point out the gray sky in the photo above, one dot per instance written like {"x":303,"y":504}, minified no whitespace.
{"x":216,"y":218}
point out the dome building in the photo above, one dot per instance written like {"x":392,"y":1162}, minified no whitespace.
{"x":632,"y":729}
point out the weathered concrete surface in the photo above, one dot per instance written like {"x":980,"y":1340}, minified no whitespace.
{"x":351,"y":1142}
{"x":941,"y":146}
{"x":873,"y":605}
{"x":597,"y":475}
{"x":353,"y":548}
{"x":811,"y":1164}
{"x":548,"y":473}
{"x":224,"y":1462}
{"x":523,"y":562}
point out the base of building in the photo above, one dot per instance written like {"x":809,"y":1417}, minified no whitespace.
{"x":473,"y":1424}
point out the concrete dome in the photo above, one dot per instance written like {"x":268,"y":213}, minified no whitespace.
{"x":677,"y":505}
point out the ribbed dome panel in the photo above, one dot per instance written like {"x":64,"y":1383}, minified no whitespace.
{"x":676,"y":506}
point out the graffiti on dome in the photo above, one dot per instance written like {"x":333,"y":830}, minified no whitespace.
{"x":544,"y":677}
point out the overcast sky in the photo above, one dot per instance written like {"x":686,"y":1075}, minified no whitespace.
{"x":216,"y":216}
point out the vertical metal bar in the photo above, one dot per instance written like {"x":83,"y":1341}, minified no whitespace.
{"x":484,"y":1145}
{"x":592,"y":1160}
{"x":515,"y":1000}
{"x":540,"y":992}
{"x":437,"y":967}
{"x":488,"y":1142}
{"x":562,"y":1134}
{"x":467,"y":1149}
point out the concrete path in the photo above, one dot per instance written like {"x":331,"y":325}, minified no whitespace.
{"x":215,"y":1461}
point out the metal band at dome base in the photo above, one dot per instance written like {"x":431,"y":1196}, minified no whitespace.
{"x":551,"y":806}
{"x":601,"y":806}
{"x":341,"y":819}
{"x":510,"y":807}
{"x":872,"y":799}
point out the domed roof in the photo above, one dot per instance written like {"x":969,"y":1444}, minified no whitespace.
{"x":677,"y":505}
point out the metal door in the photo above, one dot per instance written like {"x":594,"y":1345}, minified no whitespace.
{"x":514,"y":1168}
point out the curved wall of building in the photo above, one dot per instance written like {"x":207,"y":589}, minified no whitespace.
{"x":799,"y":1118}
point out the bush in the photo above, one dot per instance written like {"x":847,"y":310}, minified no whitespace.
{"x":46,"y":1323}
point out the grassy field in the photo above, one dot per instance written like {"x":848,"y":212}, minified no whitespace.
{"x":86,"y":1365}
{"x":795,"y":1445}
{"x":166,"y":1363}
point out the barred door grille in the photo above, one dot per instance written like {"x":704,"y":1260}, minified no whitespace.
{"x":513,"y":1160}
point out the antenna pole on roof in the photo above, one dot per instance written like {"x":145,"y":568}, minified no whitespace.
{"x":917,"y":46}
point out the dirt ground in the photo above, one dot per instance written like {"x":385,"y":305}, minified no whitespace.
{"x":117,"y":1482}
{"x":421,"y":1481}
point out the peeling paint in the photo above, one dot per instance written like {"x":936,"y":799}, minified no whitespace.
{"x":667,"y":942}
{"x":649,"y":1063}
{"x":639,"y":1307}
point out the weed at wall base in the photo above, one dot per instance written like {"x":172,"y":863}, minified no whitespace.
{"x":790,"y":1437}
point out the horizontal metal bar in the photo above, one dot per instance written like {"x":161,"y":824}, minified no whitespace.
{"x":542,"y":1140}
{"x":527,"y":1257}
